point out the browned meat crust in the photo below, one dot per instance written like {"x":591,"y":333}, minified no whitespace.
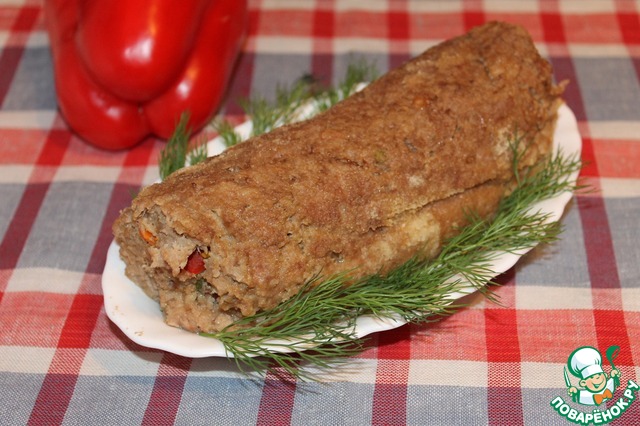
{"x":381,"y":177}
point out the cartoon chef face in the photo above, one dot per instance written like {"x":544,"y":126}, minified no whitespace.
{"x":595,"y":383}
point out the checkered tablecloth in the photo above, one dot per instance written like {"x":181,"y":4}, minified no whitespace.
{"x":63,"y":362}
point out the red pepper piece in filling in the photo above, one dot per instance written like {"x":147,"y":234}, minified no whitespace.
{"x":195,"y":263}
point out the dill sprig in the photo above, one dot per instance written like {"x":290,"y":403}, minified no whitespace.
{"x":266,"y":115}
{"x":177,"y":152}
{"x":297,"y":102}
{"x":227,"y":132}
{"x":357,"y":73}
{"x":174,"y":154}
{"x":198,"y":153}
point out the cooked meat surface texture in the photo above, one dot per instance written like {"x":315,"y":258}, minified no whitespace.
{"x":383,"y":176}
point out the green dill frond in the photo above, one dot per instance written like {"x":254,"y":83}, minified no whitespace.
{"x":174,"y":155}
{"x":198,"y":153}
{"x":177,"y":152}
{"x":266,"y":115}
{"x":357,"y":73}
{"x":289,"y":101}
{"x":227,"y":132}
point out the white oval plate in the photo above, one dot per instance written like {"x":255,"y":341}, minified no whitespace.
{"x":139,"y":317}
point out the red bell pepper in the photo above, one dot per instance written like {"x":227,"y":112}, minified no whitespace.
{"x":195,"y":263}
{"x":127,"y":69}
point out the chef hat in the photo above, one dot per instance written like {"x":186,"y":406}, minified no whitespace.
{"x":585,"y":362}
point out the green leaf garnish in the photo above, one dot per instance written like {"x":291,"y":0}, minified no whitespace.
{"x":177,"y":151}
{"x":285,"y":109}
{"x":357,"y":73}
{"x":227,"y":132}
{"x":266,"y":116}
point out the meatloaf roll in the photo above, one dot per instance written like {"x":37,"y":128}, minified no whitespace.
{"x":383,"y":176}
